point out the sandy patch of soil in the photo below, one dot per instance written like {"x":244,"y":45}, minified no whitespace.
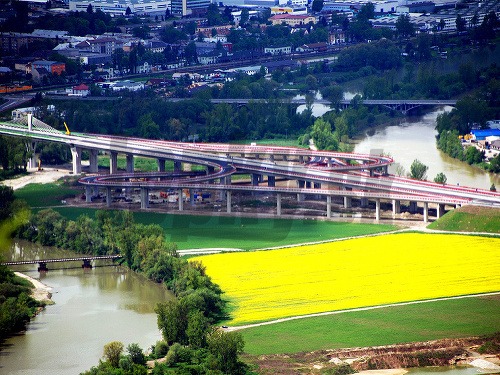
{"x":34,"y":177}
{"x":42,"y":292}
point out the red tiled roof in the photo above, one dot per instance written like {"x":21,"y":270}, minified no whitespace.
{"x":81,"y":87}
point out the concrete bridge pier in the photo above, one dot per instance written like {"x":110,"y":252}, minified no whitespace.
{"x":130,"y":163}
{"x":108,"y":196}
{"x":228,"y":201}
{"x":439,"y":210}
{"x":88,"y":193}
{"x":113,"y":162}
{"x":191,"y":197}
{"x":93,"y":161}
{"x":177,"y":166}
{"x":377,"y":209}
{"x":364,"y":202}
{"x":76,"y":154}
{"x":271,"y":181}
{"x":372,"y":172}
{"x":161,"y":164}
{"x":426,"y":212}
{"x":301,"y":197}
{"x":144,"y":198}
{"x":87,"y":264}
{"x":271,"y":158}
{"x":42,"y":267}
{"x":413,"y":207}
{"x":329,"y":206}
{"x":255,"y":179}
{"x":278,"y":204}
{"x":347,"y":202}
{"x":396,"y":207}
{"x":181,"y":200}
{"x":228,"y":180}
{"x":31,"y":149}
{"x":308,"y":184}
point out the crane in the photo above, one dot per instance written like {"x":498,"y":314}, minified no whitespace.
{"x":67,"y":129}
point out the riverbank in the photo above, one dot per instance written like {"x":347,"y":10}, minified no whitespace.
{"x":42,"y":293}
{"x":384,"y":360}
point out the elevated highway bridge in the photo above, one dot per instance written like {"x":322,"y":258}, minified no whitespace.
{"x":323,"y":174}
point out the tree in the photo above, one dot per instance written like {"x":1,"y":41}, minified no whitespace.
{"x":404,"y":27}
{"x":322,"y":135}
{"x":440,"y":178}
{"x":128,"y":11}
{"x":225,"y":347}
{"x":418,"y":170}
{"x":136,"y":354}
{"x":245,"y":15}
{"x":196,"y":331}
{"x":317,"y":5}
{"x":112,"y":352}
{"x":90,"y":10}
{"x":461,"y":24}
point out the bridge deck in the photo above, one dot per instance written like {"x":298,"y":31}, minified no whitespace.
{"x":75,"y":259}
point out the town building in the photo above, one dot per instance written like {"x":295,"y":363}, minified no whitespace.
{"x":119,"y":7}
{"x":288,"y":10}
{"x":291,"y":20}
{"x":53,"y":67}
{"x":185,"y":8}
{"x":285,"y":50}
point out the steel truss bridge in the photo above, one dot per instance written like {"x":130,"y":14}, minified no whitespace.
{"x":273,"y":170}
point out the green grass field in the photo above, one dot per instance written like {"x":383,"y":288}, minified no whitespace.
{"x":193,"y":231}
{"x":470,"y":219}
{"x":46,"y":195}
{"x":390,"y":325}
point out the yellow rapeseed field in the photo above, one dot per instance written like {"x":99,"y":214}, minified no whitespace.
{"x":266,"y":285}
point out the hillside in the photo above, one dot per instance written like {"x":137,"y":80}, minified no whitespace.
{"x":470,"y":219}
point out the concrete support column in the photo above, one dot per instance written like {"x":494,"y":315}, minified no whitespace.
{"x":347,"y":202}
{"x":301,"y":197}
{"x":440,"y":210}
{"x":317,"y":185}
{"x":108,"y":196}
{"x":271,"y":158}
{"x":308,"y":184}
{"x":278,"y":204}
{"x":377,"y":209}
{"x":76,"y":154}
{"x":93,"y":161}
{"x":426,"y":212}
{"x":88,"y":193}
{"x":413,"y":207}
{"x":181,"y":200}
{"x":301,"y":184}
{"x":130,"y":163}
{"x":385,"y":170}
{"x":32,"y":161}
{"x":396,"y":206}
{"x":191,"y":196}
{"x":364,"y":202}
{"x":271,"y":181}
{"x":329,"y":162}
{"x":161,"y":164}
{"x":255,"y":179}
{"x":228,"y":180}
{"x":285,"y":158}
{"x":113,"y":162}
{"x":144,"y":198}
{"x":328,"y":206}
{"x":301,"y":159}
{"x":228,"y":201}
{"x":177,"y":166}
{"x":458,"y":205}
{"x":210,"y":169}
{"x":372,"y":172}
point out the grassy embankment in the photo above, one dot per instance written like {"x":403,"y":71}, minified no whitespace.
{"x":193,"y":231}
{"x":470,"y":219}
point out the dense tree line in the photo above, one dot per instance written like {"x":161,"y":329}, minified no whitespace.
{"x":16,"y":305}
{"x":187,"y":323}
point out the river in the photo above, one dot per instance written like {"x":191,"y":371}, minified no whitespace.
{"x":92,"y":308}
{"x":415,"y":138}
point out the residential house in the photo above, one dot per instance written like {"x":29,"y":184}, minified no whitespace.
{"x":81,"y":90}
{"x":286,"y":50}
{"x":291,"y":19}
{"x":52,"y":67}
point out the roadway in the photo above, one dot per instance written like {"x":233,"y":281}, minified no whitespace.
{"x":322,"y":173}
